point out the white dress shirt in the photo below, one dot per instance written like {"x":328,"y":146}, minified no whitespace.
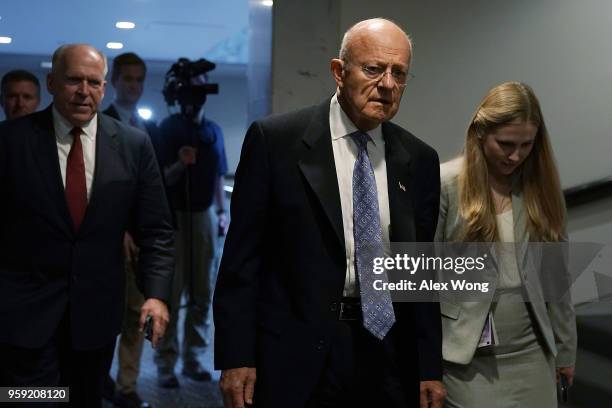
{"x":64,"y":140}
{"x":345,"y":156}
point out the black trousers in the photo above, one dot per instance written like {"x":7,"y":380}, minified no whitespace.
{"x":58,"y":364}
{"x":362,"y":371}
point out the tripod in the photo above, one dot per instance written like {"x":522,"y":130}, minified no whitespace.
{"x":194,"y":139}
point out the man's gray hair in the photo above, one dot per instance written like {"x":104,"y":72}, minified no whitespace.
{"x":58,"y":55}
{"x":345,"y":46}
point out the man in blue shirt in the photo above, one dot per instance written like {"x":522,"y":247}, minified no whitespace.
{"x":192,"y":154}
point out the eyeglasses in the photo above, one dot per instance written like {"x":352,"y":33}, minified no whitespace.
{"x":377,"y":73}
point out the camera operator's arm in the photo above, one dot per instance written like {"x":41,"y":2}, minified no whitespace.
{"x":175,"y":150}
{"x":186,"y":157}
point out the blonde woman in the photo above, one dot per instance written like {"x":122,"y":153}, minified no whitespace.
{"x":506,"y":188}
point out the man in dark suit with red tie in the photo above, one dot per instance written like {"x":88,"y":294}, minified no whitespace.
{"x":297,"y":322}
{"x":72,"y":182}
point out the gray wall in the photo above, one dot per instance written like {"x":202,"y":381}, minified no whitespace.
{"x":260,"y":60}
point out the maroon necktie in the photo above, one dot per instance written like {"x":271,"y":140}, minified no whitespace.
{"x":76,"y":188}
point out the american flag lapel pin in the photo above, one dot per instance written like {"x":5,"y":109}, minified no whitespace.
{"x":401,"y":186}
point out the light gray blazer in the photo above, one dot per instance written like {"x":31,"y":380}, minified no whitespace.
{"x":462,"y":322}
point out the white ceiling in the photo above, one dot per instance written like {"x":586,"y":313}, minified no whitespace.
{"x":165,"y":30}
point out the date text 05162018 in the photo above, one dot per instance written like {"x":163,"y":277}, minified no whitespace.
{"x":34,"y":394}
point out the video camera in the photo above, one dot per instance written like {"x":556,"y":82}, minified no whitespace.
{"x":184,"y":85}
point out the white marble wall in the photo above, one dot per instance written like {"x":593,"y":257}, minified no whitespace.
{"x":306,"y":37}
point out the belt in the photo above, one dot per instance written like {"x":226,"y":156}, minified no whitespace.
{"x":350,"y":309}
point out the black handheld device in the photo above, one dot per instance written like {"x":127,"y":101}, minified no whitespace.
{"x":148,"y":328}
{"x":564,"y":388}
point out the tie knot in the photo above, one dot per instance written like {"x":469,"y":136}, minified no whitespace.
{"x":361,"y":139}
{"x":76,"y":131}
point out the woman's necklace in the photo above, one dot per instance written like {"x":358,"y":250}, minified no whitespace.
{"x":502,"y":202}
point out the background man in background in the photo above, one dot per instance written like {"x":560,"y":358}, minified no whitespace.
{"x":62,"y":271}
{"x":194,"y":162}
{"x":296,"y":322}
{"x":19,"y":93}
{"x":127,"y":77}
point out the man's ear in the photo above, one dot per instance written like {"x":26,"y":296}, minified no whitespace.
{"x":337,"y":69}
{"x":50,"y":80}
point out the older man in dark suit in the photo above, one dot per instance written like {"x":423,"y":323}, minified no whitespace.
{"x":72,"y":182}
{"x":297,"y":321}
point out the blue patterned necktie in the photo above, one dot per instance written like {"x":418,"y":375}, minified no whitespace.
{"x":376,"y":305}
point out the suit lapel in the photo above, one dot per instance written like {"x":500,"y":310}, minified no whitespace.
{"x":106,"y":157}
{"x":398,"y":180}
{"x":318,"y":167}
{"x":44,"y":149}
{"x":112,"y":112}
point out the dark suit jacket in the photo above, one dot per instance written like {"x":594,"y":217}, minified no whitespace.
{"x":45,"y":265}
{"x":283,"y":267}
{"x":150,"y":126}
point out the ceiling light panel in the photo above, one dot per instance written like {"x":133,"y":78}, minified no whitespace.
{"x":114,"y":45}
{"x":125,"y":25}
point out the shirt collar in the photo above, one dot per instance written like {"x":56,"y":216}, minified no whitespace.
{"x":63,"y":127}
{"x":125,"y":114}
{"x":340,"y":124}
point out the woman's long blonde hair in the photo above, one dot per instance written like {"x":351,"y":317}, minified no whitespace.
{"x":537,"y":177}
